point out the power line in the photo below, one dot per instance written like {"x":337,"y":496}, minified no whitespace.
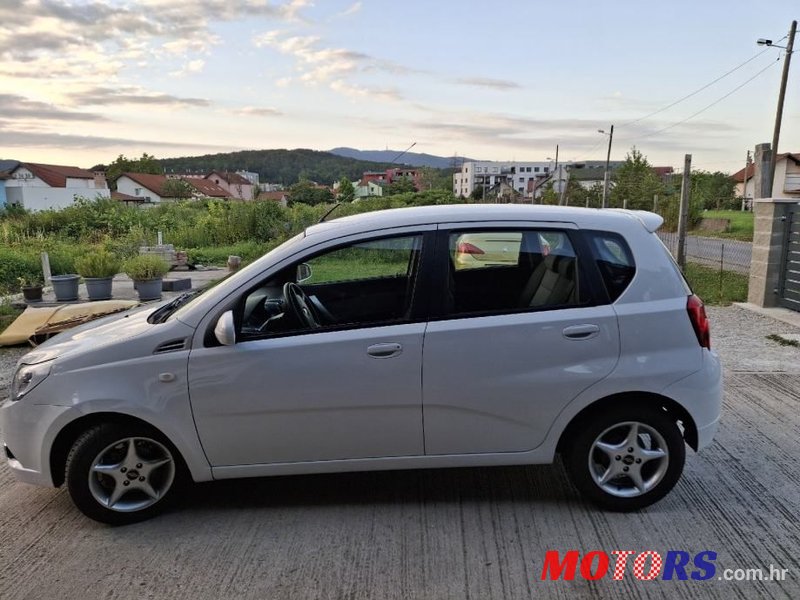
{"x":697,"y":91}
{"x":702,"y":110}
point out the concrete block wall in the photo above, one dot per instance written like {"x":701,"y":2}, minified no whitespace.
{"x":768,"y":240}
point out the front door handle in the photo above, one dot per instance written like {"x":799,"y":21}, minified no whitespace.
{"x":384,"y":350}
{"x":581,"y":332}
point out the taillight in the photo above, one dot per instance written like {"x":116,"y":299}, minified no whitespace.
{"x":467,"y":248}
{"x":697,"y":315}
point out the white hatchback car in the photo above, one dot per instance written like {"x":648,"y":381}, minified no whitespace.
{"x":359,"y":345}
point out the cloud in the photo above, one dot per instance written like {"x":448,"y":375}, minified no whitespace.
{"x":20,"y":107}
{"x":486,"y":82}
{"x":26,"y":139}
{"x":258,"y":111}
{"x":191,"y":68}
{"x":318,"y":64}
{"x":87,"y":35}
{"x":351,"y":10}
{"x":110,"y":96}
{"x":357,"y":91}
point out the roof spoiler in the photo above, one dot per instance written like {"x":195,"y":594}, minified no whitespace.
{"x":650,"y":220}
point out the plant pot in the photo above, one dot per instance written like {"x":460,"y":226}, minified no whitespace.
{"x":149,"y":289}
{"x":32,"y":293}
{"x":98,"y":288}
{"x":65,"y":287}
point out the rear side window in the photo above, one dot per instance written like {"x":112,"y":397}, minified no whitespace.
{"x":614,"y":261}
{"x":497,"y":271}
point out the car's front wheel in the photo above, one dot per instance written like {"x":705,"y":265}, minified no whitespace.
{"x":626,"y":458}
{"x":120,"y":474}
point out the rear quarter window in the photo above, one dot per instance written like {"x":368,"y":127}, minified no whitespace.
{"x":614,"y":260}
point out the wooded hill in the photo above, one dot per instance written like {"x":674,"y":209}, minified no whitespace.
{"x":277,"y":166}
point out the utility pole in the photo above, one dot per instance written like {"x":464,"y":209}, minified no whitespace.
{"x":779,"y":114}
{"x":606,"y":176}
{"x":683,"y":213}
{"x":744,"y":188}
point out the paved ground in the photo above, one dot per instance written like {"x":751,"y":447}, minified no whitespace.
{"x":471,"y":533}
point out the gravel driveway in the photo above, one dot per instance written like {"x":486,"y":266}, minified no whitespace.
{"x":460,"y":533}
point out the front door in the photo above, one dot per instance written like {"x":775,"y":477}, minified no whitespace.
{"x":345,"y":387}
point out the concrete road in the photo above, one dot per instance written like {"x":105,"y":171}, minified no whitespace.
{"x":461,"y":534}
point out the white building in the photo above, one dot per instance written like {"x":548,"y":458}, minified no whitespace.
{"x":522,"y":176}
{"x":40,"y":187}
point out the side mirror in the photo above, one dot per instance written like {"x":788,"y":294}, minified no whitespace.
{"x":303,"y":272}
{"x":225,"y":330}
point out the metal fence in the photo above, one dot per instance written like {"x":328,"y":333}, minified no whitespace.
{"x":716,"y":253}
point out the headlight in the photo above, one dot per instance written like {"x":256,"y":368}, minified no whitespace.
{"x":28,"y":377}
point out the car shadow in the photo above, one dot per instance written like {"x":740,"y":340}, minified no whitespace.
{"x":546,"y":484}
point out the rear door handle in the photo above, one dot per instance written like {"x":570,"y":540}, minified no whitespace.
{"x":384,"y":350}
{"x":581,"y":332}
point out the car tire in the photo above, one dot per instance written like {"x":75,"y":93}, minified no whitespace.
{"x":626,"y":458}
{"x":123,"y":473}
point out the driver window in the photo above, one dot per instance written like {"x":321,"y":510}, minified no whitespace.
{"x":363,"y":283}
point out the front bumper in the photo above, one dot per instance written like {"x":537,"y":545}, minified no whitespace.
{"x":29,"y":431}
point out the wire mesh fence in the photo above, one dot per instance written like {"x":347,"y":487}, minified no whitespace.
{"x":715,"y":253}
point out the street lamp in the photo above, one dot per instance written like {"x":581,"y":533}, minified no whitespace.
{"x":781,"y":95}
{"x":610,"y":135}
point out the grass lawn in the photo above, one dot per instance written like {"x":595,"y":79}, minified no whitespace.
{"x":714,"y":288}
{"x":741,"y":227}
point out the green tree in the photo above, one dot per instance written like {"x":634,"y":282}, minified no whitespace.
{"x":347,"y":192}
{"x":714,"y":191}
{"x":146,"y":164}
{"x":306,"y":192}
{"x":177,"y":188}
{"x":636,"y":182}
{"x":399,"y":186}
{"x":435,"y":179}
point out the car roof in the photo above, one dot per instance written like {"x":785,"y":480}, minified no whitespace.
{"x":445,"y":213}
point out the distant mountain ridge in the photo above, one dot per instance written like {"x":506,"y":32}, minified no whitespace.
{"x":414,"y":159}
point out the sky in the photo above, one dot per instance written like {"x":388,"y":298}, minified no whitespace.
{"x":84,"y":81}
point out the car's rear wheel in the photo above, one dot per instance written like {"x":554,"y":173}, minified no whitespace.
{"x":626,"y":458}
{"x":121,"y":474}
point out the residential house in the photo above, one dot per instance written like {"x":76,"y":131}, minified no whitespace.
{"x":486,"y":175}
{"x":3,"y":178}
{"x":36,"y":186}
{"x":785,"y":184}
{"x":279,"y":196}
{"x":745,"y":186}
{"x":391,"y":175}
{"x":151,"y":188}
{"x":148,"y":187}
{"x":370,"y":189}
{"x":238,"y":186}
{"x":206,"y":188}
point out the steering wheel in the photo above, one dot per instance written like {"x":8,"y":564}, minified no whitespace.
{"x":300,"y":306}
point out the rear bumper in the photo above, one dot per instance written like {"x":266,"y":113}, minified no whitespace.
{"x":701,"y":395}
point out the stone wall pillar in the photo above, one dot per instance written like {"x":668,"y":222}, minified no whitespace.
{"x":768,"y":240}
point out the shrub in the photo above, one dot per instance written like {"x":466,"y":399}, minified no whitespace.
{"x":146,"y":266}
{"x":98,"y":264}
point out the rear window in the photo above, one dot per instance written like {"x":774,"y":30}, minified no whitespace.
{"x":614,"y":261}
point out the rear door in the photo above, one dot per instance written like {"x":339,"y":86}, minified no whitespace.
{"x":510,"y":345}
